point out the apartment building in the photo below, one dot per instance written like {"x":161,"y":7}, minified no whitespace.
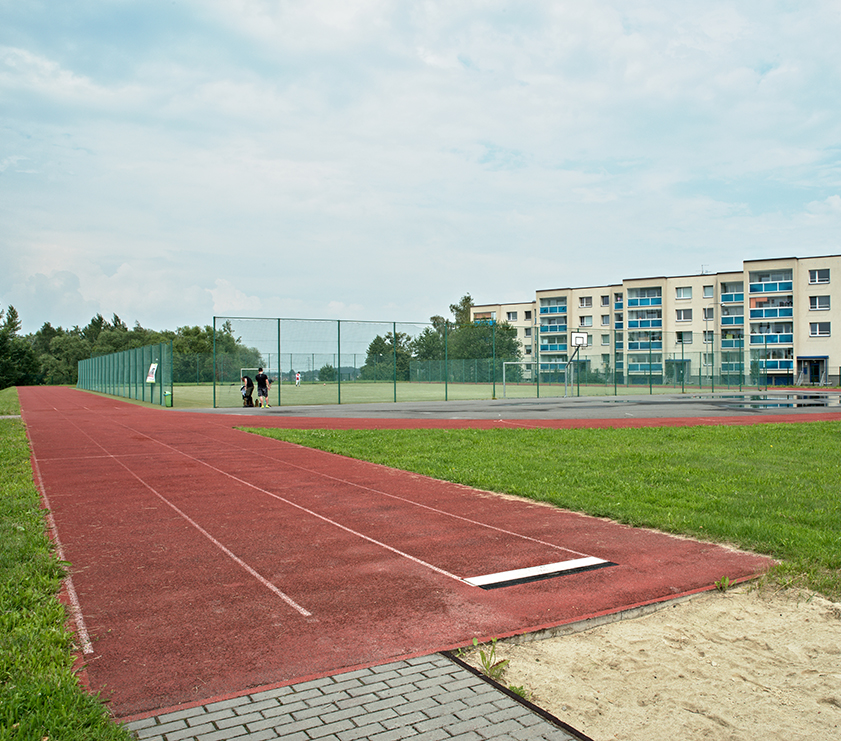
{"x":770,"y":323}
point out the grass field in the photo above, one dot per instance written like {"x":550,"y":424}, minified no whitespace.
{"x":770,"y":488}
{"x":40,"y":697}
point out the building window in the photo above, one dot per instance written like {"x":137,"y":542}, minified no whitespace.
{"x":528,"y":316}
{"x":605,"y":320}
{"x":819,"y":329}
{"x":605,"y":339}
{"x":585,"y":321}
{"x":511,"y":316}
{"x":528,"y":350}
{"x":617,"y":297}
{"x":684,"y":338}
{"x":605,"y":300}
{"x":683,"y":292}
{"x":528,"y":332}
{"x":818,"y":303}
{"x":708,"y":358}
{"x":819,"y":276}
{"x":708,"y":337}
{"x":709,"y":291}
{"x":585,"y":302}
{"x":709,"y":312}
{"x":683,"y":315}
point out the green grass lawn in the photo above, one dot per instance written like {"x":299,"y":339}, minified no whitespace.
{"x":40,"y":696}
{"x":770,"y":488}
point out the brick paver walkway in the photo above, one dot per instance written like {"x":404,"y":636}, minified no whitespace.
{"x":427,"y":698}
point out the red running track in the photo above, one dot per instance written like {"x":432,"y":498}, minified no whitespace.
{"x":206,"y":561}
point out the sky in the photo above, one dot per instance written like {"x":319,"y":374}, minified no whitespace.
{"x":173,"y":160}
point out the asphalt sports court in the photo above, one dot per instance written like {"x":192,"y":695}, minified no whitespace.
{"x":207,"y":562}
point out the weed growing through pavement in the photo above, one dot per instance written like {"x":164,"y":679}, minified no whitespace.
{"x":723,"y":584}
{"x":491,"y":667}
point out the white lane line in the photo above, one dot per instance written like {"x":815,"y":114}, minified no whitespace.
{"x":310,"y":512}
{"x":265,"y":582}
{"x":536,"y":572}
{"x":75,"y":607}
{"x":555,"y":546}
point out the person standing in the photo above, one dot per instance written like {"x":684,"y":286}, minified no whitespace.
{"x":263,"y":386}
{"x":298,"y":378}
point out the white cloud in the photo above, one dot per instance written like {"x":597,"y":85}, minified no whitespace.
{"x":331,"y":158}
{"x":230,"y":301}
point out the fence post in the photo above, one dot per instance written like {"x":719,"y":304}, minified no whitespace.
{"x":214,"y":362}
{"x":339,"y":356}
{"x":279,"y":373}
{"x":446,"y":360}
{"x":493,"y":370}
{"x":394,"y":357}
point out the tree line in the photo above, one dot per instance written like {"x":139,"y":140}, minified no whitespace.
{"x":51,"y":355}
{"x":390,"y":356}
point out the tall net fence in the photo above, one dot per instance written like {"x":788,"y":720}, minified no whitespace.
{"x":312,"y":361}
{"x":330,"y":361}
{"x":142,"y":373}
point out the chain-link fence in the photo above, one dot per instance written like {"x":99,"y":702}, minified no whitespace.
{"x":142,"y":373}
{"x":332,"y":361}
{"x":312,"y":361}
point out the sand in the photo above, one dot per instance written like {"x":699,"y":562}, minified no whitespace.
{"x":750,"y":663}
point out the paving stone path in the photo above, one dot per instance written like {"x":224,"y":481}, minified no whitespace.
{"x":428,"y":698}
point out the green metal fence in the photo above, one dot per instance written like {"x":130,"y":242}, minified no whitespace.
{"x":142,"y":373}
{"x":341,"y":361}
{"x":314,"y":361}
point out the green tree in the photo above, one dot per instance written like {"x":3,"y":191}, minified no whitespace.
{"x":381,"y":355}
{"x":429,"y":344}
{"x":18,"y":361}
{"x":327,"y":373}
{"x":61,"y":363}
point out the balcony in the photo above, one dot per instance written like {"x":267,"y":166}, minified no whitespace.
{"x":553,"y":348}
{"x":553,"y":309}
{"x":645,"y":367}
{"x":771,"y":339}
{"x":645,"y":346}
{"x":771,"y":313}
{"x":732,"y":320}
{"x":733,"y":344}
{"x":645,"y":323}
{"x":733,"y":298}
{"x":776,"y":364}
{"x":654,"y":301}
{"x":553,"y":327}
{"x":783,"y":285}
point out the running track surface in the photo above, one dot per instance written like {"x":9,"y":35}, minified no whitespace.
{"x":206,"y":561}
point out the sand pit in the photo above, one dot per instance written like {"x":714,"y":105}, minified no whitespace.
{"x":747,"y":664}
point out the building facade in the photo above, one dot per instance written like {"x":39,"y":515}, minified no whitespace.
{"x":769,"y":324}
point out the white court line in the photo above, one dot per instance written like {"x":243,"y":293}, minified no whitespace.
{"x":75,"y":607}
{"x":555,"y":546}
{"x":312,"y":513}
{"x":535,"y":572}
{"x":265,"y":582}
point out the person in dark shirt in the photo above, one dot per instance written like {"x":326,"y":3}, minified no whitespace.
{"x":247,"y":391}
{"x":263,"y":386}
